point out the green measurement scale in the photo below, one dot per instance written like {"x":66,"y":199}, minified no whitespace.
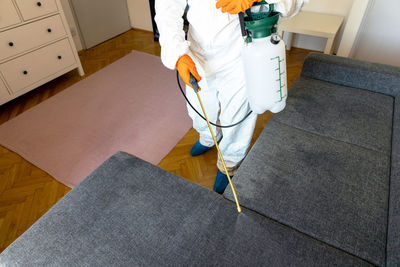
{"x":280,"y":77}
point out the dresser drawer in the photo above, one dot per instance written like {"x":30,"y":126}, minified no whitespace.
{"x":31,"y":68}
{"x":8,"y":14}
{"x":35,"y":8}
{"x":20,"y":39}
{"x":3,"y":91}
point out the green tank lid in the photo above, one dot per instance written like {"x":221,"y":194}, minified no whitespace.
{"x":260,"y":20}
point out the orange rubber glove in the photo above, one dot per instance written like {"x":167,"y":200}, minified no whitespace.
{"x":235,"y":6}
{"x":185,"y":66}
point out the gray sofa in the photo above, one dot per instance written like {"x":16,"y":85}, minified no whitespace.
{"x":320,"y":187}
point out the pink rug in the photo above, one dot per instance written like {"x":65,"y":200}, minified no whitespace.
{"x":132,"y":105}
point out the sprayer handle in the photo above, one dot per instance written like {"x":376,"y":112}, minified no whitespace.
{"x":194,"y":83}
{"x":242,"y":26}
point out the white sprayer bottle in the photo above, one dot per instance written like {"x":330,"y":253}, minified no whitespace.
{"x":264,"y":60}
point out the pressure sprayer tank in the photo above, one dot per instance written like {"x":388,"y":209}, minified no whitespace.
{"x":264,"y":60}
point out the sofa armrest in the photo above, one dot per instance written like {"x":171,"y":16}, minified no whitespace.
{"x":393,"y":237}
{"x":374,"y":77}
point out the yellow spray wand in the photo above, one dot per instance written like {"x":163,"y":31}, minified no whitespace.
{"x":195,"y":86}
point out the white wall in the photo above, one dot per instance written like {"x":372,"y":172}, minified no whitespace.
{"x":352,"y":27}
{"x":72,"y":23}
{"x":139,"y":12}
{"x":379,"y":39}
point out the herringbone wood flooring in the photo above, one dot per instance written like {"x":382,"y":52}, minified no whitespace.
{"x":26,"y":192}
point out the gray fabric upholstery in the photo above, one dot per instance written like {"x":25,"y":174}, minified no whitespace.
{"x":354,"y":73}
{"x":352,"y":115}
{"x":322,"y":165}
{"x":393,"y":243}
{"x":131,"y":213}
{"x":331,"y":190}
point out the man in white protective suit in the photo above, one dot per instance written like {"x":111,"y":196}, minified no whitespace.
{"x":212,"y":53}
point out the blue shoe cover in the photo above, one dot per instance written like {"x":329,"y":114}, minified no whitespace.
{"x":221,"y":182}
{"x":199,"y":149}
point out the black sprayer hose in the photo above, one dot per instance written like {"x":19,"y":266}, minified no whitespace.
{"x":190,"y":104}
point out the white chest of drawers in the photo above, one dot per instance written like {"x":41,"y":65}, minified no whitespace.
{"x":36,"y":46}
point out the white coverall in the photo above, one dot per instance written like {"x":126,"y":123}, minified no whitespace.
{"x":214,"y":43}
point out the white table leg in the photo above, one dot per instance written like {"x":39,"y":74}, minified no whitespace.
{"x":280,"y":32}
{"x":329,"y":46}
{"x":289,"y":40}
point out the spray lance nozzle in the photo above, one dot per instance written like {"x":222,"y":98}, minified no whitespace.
{"x":258,"y":21}
{"x":194,"y":83}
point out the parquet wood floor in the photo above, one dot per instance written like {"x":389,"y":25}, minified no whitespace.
{"x":26,"y":192}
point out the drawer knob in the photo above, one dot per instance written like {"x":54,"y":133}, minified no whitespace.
{"x":39,"y":4}
{"x":49,"y":30}
{"x":25,"y":72}
{"x":11,"y":44}
{"x":59,"y":57}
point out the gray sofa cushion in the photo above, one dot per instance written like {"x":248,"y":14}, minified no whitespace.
{"x":131,"y":213}
{"x":375,"y":77}
{"x":393,"y":244}
{"x":352,"y":115}
{"x":334,"y":191}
